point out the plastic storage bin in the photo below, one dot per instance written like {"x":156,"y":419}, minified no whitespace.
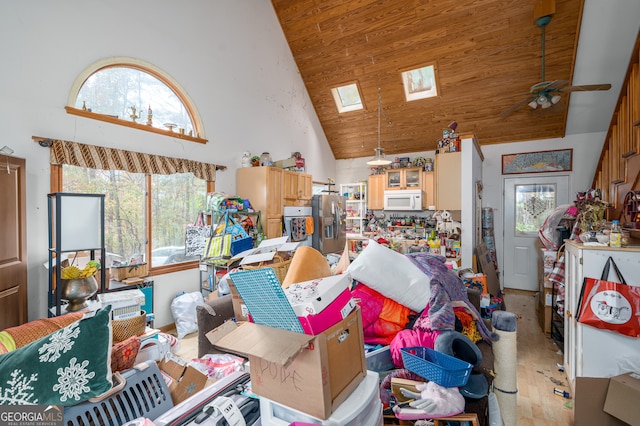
{"x":363,"y":407}
{"x":380,"y":360}
{"x":437,"y":367}
{"x":145,"y":394}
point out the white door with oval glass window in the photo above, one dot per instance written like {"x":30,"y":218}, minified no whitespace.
{"x":527,"y":203}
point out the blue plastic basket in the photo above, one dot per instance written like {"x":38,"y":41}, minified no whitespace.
{"x":436,"y":367}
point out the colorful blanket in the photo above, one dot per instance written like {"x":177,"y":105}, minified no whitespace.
{"x":447,"y":292}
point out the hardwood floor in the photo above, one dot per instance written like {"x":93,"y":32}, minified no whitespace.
{"x":538,"y":373}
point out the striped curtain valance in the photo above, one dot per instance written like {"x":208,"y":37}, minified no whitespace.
{"x":97,"y":157}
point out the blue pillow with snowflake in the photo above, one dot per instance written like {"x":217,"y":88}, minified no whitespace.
{"x":66,"y":367}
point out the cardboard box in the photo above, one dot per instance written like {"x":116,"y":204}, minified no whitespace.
{"x":622,"y":398}
{"x":485,"y":262}
{"x":123,"y":298}
{"x":286,"y":163}
{"x":544,"y":318}
{"x":545,"y":296}
{"x":240,"y":310}
{"x":312,"y":374}
{"x":547,"y":258}
{"x":331,"y":315}
{"x":590,"y":394}
{"x":183,"y":381}
{"x":312,"y":297}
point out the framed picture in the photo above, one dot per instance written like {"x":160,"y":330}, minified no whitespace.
{"x":420,"y":83}
{"x":537,"y":162}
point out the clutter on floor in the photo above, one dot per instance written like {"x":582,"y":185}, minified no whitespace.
{"x":393,"y":336}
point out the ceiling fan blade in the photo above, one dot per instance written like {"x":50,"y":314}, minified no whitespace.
{"x":516,"y":106}
{"x":556,"y":84}
{"x":586,"y":88}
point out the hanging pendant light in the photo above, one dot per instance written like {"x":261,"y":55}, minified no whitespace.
{"x":379,"y":159}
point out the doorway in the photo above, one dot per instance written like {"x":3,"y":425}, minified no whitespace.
{"x":527,"y":202}
{"x":13,"y":247}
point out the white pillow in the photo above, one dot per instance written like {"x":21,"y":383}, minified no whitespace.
{"x":393,"y":275}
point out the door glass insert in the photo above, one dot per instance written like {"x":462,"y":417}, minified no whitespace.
{"x":533,"y":205}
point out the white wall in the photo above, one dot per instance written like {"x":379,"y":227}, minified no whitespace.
{"x":586,"y":151}
{"x":230,"y":56}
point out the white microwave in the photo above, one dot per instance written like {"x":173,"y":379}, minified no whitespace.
{"x":403,"y":199}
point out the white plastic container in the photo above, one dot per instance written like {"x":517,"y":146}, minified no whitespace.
{"x":362,"y":408}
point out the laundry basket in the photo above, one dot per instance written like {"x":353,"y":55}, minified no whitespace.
{"x":142,"y":392}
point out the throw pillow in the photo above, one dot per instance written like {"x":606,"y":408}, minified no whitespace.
{"x":66,"y":367}
{"x":393,"y":275}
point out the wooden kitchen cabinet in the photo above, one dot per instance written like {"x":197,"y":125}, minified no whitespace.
{"x":375,"y":192}
{"x":448,"y":167}
{"x":428,"y":190}
{"x":263,"y":187}
{"x":297,"y":188}
{"x":406,"y":178}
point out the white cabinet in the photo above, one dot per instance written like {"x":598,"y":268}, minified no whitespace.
{"x":356,"y":206}
{"x":588,"y":351}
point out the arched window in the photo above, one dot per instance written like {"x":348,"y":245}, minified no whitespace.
{"x":145,"y":210}
{"x":129,"y":92}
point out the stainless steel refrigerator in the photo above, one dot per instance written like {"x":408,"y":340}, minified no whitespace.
{"x":329,"y":219}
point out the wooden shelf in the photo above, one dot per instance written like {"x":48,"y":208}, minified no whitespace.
{"x":131,"y":124}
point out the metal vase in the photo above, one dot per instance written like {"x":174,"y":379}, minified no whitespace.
{"x":77,"y":291}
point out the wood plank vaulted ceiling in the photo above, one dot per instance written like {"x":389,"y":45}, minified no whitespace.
{"x":487,"y":55}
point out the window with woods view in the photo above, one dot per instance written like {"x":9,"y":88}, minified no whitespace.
{"x":175,"y":200}
{"x":131,"y":93}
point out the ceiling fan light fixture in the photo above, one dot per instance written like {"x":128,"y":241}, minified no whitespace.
{"x":555,"y":99}
{"x":533,"y":104}
{"x":547,"y":104}
{"x":379,"y":159}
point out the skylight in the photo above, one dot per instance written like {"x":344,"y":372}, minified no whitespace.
{"x":420,"y":83}
{"x":347,"y":97}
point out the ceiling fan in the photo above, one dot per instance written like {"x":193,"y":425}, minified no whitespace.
{"x":547,"y":93}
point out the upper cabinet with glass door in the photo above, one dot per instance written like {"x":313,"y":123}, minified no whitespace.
{"x":408,"y":178}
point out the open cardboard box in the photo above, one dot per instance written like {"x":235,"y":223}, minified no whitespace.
{"x":240,"y":310}
{"x":622,"y":398}
{"x":590,"y":395}
{"x":312,"y":374}
{"x":183,"y":381}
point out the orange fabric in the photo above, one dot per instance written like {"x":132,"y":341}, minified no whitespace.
{"x":34,"y":330}
{"x":469,"y":326}
{"x":306,"y":264}
{"x":394,"y":312}
{"x":309,"y":225}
